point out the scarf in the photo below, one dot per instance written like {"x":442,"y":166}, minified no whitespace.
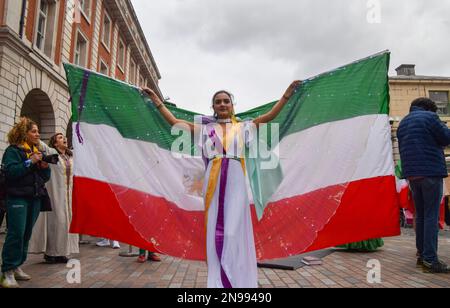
{"x":29,"y":151}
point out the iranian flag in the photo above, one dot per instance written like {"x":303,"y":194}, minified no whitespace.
{"x":338,"y":184}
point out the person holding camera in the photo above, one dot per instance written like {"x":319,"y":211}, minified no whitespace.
{"x":51,"y":234}
{"x":26,"y":174}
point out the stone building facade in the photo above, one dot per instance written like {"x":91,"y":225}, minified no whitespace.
{"x":407,"y":86}
{"x":38,"y":36}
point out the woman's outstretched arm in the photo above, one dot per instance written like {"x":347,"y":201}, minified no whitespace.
{"x":165,"y":112}
{"x":272,"y":114}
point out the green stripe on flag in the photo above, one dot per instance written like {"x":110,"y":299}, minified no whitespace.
{"x":358,"y":89}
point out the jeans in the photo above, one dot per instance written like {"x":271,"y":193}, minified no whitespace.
{"x":427,"y":194}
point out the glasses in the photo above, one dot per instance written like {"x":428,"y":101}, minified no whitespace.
{"x":224,"y":101}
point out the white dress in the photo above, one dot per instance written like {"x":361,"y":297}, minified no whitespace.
{"x":51,"y":231}
{"x":231,"y":253}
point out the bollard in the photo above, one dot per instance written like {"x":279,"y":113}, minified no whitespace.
{"x":129,"y":253}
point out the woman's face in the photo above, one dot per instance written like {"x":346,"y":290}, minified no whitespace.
{"x":33,"y":136}
{"x":223,"y":106}
{"x":61,"y":142}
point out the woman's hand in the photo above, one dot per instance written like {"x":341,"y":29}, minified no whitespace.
{"x":35,"y":158}
{"x":43,"y":165}
{"x":291,"y":90}
{"x":151,"y":94}
{"x":165,"y":112}
{"x":272,"y":114}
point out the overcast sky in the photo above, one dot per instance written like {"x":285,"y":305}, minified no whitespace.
{"x":255,"y":48}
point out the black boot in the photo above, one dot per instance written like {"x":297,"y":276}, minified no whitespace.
{"x":438,"y":267}
{"x":50,"y":260}
{"x":62,"y":260}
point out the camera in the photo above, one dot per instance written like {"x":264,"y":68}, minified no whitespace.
{"x":51,"y":159}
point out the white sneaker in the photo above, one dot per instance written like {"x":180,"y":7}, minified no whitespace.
{"x":116,"y":245}
{"x":103,"y":243}
{"x":8,"y":281}
{"x":20,"y":275}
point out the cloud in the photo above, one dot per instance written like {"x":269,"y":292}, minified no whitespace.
{"x":256,"y":47}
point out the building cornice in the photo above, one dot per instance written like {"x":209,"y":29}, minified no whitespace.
{"x":143,"y":37}
{"x":117,"y":13}
{"x":12,"y":40}
{"x":419,"y":80}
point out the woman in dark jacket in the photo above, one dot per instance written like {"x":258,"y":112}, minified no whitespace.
{"x":26,"y":175}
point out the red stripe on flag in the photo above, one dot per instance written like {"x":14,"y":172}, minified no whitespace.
{"x":96,"y":212}
{"x":368,"y":209}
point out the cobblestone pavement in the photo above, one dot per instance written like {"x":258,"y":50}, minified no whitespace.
{"x":104,"y":268}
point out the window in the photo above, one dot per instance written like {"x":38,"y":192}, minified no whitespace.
{"x":141,"y":81}
{"x":121,"y":55}
{"x":104,"y":68}
{"x":132,"y":72}
{"x":42,"y":23}
{"x":107,"y":26}
{"x":442,"y":102}
{"x":85,"y":7}
{"x":81,"y":50}
{"x":45,"y":28}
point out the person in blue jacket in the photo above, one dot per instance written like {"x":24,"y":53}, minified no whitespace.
{"x":422,"y":138}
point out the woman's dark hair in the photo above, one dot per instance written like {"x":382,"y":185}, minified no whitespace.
{"x":223,"y":92}
{"x":52,"y":143}
{"x":425,"y":103}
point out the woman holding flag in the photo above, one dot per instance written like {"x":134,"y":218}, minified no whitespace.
{"x":231,"y":250}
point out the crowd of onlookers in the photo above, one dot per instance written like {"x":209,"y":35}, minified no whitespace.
{"x":36,"y":203}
